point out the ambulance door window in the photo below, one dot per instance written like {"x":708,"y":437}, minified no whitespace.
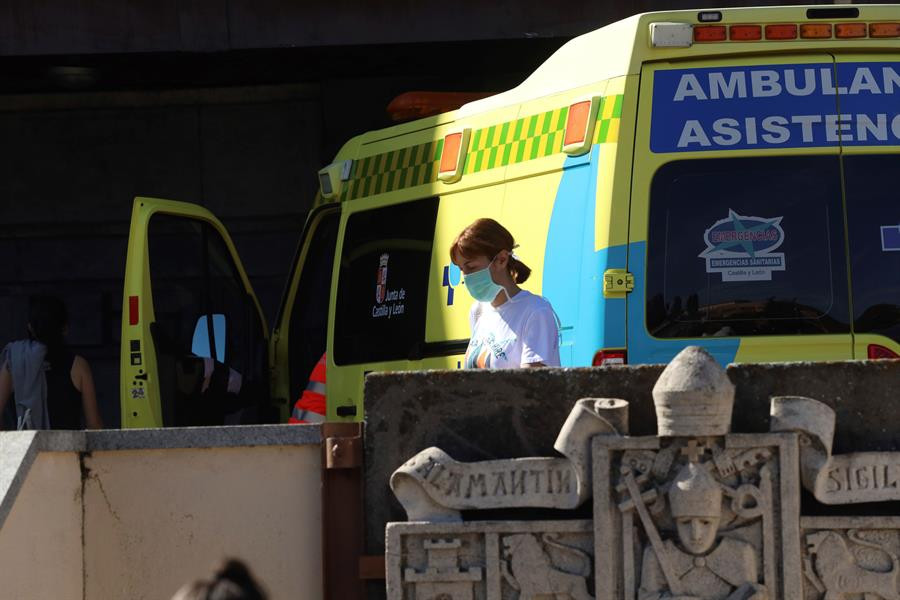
{"x":383,"y":283}
{"x":747,"y":247}
{"x":245,"y":346}
{"x":193,"y":275}
{"x":873,"y":222}
{"x":308,"y":328}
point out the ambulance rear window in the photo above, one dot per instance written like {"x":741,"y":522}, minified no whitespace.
{"x":383,"y":283}
{"x":873,"y":222}
{"x":747,"y":246}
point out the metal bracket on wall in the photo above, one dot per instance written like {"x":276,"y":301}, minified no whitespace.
{"x":342,"y":511}
{"x":343,"y":452}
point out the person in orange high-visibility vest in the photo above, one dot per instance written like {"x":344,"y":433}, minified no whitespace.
{"x":310,"y":407}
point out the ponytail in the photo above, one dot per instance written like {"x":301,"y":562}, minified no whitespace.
{"x":520,"y":271}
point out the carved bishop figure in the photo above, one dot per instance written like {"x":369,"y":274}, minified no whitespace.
{"x":702,"y":564}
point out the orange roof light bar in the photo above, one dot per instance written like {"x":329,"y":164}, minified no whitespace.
{"x":850,"y":30}
{"x":782,"y":31}
{"x":745,"y":33}
{"x":710,"y":33}
{"x":815,"y":31}
{"x":884,"y":30}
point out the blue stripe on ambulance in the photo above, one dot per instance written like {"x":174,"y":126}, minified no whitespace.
{"x":573,"y":271}
{"x":644,"y":349}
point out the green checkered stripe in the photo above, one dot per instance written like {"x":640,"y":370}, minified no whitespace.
{"x":520,"y":140}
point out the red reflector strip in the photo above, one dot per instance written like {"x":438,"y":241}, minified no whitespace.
{"x":884,"y":30}
{"x":741,"y":33}
{"x":710,"y":33}
{"x":850,"y":30}
{"x":815,"y":31}
{"x":132,"y":310}
{"x":606,"y":358}
{"x":450,"y":153}
{"x":877,"y":352}
{"x":781,"y":32}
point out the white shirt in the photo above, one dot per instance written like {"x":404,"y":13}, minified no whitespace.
{"x":520,"y":331}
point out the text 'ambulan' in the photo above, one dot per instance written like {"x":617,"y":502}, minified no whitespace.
{"x":791,"y":100}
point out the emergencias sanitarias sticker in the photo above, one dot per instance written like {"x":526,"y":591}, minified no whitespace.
{"x":741,"y":247}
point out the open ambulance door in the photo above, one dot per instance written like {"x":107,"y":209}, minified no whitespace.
{"x":868,"y":88}
{"x":301,"y":328}
{"x":736,"y":232}
{"x":194,"y":339}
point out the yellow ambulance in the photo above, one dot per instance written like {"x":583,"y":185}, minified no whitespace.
{"x":724,"y":178}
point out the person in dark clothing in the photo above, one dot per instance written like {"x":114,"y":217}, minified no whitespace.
{"x":58,"y":384}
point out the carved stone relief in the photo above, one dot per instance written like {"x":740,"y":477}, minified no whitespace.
{"x":490,"y":561}
{"x":851,"y":558}
{"x":695,"y":512}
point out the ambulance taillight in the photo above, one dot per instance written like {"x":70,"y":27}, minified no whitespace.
{"x":877,"y":352}
{"x":607,"y":358}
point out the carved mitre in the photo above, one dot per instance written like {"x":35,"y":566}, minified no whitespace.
{"x":694,"y":493}
{"x":693,"y":396}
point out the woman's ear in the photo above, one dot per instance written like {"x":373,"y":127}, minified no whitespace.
{"x":502,"y":259}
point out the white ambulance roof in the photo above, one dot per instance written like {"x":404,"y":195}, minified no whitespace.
{"x":589,"y":58}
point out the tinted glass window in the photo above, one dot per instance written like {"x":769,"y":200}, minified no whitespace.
{"x":383,"y":283}
{"x":873,"y":215}
{"x":740,"y":247}
{"x":309,"y":314}
{"x":193,"y":274}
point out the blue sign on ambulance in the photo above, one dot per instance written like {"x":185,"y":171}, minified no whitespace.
{"x":769,"y":106}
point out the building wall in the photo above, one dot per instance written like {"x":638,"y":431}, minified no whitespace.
{"x":137,"y":514}
{"x":40,"y":541}
{"x":156,"y":519}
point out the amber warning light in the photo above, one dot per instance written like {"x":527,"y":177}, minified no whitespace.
{"x":684,"y":35}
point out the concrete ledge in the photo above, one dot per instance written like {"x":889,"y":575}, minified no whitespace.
{"x":203,"y":437}
{"x":19,"y":449}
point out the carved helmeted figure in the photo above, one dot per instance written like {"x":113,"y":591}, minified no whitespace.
{"x":705,"y":565}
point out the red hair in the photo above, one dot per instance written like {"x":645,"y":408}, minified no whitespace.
{"x":487,"y":237}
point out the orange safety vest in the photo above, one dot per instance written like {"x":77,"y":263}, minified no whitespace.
{"x":310,"y":407}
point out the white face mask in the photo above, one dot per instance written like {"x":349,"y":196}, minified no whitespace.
{"x":481,"y":284}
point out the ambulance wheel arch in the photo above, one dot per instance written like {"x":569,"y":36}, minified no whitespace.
{"x":143,"y":402}
{"x":695,"y":118}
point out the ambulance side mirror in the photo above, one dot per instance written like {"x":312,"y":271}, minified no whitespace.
{"x":200,"y":345}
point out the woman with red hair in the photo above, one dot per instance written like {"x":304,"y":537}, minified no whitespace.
{"x":511,"y":327}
